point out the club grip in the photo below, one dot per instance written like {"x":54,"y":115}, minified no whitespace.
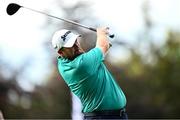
{"x":110,"y":34}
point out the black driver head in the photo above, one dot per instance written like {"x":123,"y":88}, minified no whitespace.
{"x":12,"y":8}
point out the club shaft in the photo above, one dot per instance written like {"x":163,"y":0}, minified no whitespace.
{"x":66,"y":20}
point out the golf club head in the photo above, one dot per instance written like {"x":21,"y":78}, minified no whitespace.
{"x":12,"y":8}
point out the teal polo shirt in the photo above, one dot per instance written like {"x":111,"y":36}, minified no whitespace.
{"x":89,"y":79}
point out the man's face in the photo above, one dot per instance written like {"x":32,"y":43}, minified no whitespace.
{"x":71,"y":53}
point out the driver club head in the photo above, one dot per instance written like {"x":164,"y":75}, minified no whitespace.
{"x":12,"y":8}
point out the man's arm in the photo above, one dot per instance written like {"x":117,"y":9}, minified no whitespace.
{"x":102,"y":39}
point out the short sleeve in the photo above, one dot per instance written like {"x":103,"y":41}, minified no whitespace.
{"x":92,"y":59}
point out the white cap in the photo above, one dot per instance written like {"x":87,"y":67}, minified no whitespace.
{"x":63,"y":38}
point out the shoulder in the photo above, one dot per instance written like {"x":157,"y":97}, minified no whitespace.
{"x":94,"y":52}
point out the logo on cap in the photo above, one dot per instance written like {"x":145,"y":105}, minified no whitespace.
{"x":65,"y":35}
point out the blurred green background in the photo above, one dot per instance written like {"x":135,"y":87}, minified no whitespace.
{"x":148,"y":73}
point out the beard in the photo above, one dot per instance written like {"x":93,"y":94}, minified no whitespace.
{"x":76,"y":52}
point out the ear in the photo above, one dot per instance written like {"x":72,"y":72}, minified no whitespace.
{"x":60,"y":52}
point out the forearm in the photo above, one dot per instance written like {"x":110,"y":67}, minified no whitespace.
{"x":102,"y":39}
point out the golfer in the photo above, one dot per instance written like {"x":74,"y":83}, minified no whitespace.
{"x":87,"y":76}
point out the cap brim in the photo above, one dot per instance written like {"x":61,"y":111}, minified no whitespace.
{"x":71,"y":41}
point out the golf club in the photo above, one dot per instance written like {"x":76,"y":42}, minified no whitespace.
{"x":12,"y":8}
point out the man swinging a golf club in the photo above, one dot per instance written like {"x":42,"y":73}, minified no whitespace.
{"x":84,"y":72}
{"x":87,"y":76}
